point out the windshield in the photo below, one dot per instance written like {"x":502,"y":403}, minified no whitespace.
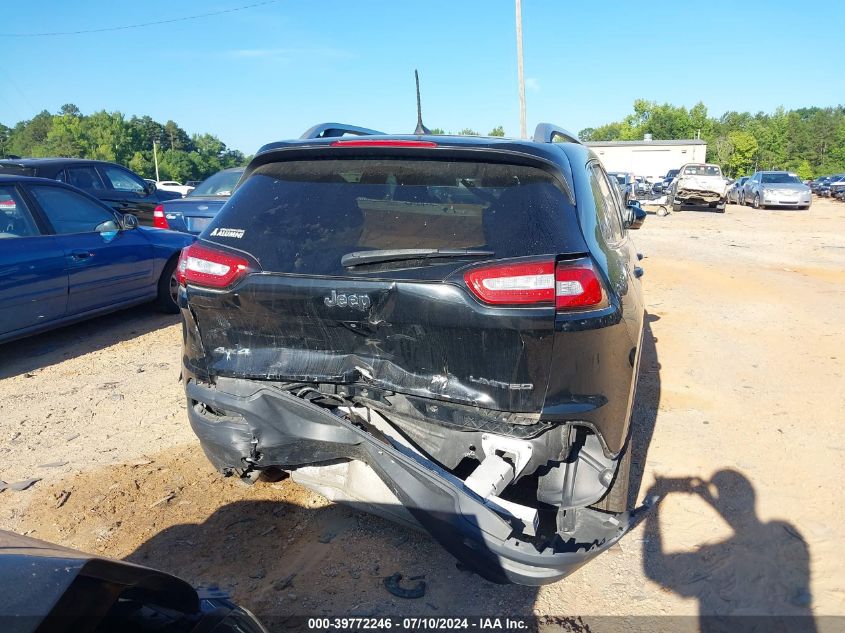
{"x":220,"y":184}
{"x":780,"y":178}
{"x":702,"y":170}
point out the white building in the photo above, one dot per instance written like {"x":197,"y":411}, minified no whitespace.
{"x":648,"y":158}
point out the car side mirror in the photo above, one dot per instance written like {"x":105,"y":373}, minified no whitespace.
{"x":129,"y":222}
{"x":634,"y":215}
{"x":150,"y":189}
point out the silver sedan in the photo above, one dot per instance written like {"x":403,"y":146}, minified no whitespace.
{"x":775,"y":189}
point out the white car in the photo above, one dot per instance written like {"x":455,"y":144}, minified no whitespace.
{"x":699,"y":184}
{"x":172,"y":185}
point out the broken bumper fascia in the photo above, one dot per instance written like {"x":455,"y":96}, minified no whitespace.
{"x":699,"y":196}
{"x":270,"y":427}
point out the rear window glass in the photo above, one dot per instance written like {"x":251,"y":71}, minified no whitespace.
{"x":702,"y":170}
{"x":15,"y":220}
{"x":220,"y":184}
{"x":780,"y":179}
{"x":18,"y":170}
{"x":303,"y":216}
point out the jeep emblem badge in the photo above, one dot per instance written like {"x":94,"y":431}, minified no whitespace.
{"x":359,"y":302}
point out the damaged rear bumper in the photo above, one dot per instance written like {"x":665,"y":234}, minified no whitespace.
{"x":699,"y":196}
{"x":263,"y":426}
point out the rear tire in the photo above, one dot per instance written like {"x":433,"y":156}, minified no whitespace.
{"x":168,"y":288}
{"x":676,"y":206}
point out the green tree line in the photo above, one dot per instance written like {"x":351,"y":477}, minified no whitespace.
{"x":808,"y":141}
{"x":113,"y":137}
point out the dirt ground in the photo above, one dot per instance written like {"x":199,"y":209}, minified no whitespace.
{"x":742,"y":386}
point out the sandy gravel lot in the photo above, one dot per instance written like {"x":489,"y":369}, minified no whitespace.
{"x":742,"y":387}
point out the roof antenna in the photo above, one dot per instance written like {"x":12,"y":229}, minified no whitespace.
{"x":421,"y":129}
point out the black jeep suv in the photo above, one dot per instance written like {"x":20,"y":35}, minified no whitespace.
{"x":442,"y":330}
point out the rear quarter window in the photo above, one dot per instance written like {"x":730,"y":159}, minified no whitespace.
{"x":303,"y":216}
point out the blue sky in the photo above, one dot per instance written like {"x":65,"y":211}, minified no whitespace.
{"x":272,"y":71}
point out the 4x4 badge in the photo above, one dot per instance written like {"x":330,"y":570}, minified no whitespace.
{"x":360,"y":302}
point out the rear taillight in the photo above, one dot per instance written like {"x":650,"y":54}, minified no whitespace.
{"x":514,"y":284}
{"x":202,"y":266}
{"x":577,"y":285}
{"x":159,"y":221}
{"x":181,"y":266}
{"x":566,"y":285}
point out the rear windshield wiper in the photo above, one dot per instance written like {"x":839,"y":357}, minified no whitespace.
{"x":403,"y":254}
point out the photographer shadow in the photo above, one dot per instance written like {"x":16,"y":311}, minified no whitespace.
{"x":756,"y":580}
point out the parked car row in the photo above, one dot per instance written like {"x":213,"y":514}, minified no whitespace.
{"x":704,"y":185}
{"x":829,"y":186}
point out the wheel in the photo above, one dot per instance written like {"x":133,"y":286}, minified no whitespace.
{"x":756,"y":203}
{"x":804,"y":207}
{"x":676,"y":206}
{"x":720,"y":209}
{"x":168,"y":288}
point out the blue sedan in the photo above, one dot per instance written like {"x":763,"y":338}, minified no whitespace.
{"x":65,"y":256}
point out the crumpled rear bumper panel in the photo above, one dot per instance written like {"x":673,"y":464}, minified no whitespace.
{"x":699,"y":195}
{"x":274,"y":428}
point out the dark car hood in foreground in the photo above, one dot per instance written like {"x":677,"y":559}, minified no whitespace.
{"x":35,"y":575}
{"x":48,"y":587}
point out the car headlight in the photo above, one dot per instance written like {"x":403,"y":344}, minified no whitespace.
{"x":769,"y":194}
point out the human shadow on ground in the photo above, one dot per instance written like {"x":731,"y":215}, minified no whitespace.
{"x":758,"y":579}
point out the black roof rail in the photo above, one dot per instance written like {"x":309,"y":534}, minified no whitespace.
{"x":329,"y":130}
{"x":546,"y":133}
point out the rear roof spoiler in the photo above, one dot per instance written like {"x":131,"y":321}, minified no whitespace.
{"x":330,"y":130}
{"x":544,"y":133}
{"x":547,"y":132}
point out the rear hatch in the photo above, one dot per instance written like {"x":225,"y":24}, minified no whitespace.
{"x":192,"y":214}
{"x":355,"y":271}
